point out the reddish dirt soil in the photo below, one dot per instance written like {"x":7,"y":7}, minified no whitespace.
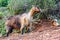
{"x":43,"y":30}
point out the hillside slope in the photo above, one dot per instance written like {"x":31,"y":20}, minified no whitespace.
{"x":42,"y":31}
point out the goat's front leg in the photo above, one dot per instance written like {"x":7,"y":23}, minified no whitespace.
{"x":28,"y":28}
{"x":22,"y":29}
{"x":22,"y":25}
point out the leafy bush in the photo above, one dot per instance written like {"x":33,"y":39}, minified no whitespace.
{"x":1,"y":13}
{"x":16,"y":5}
{"x":2,"y":27}
{"x":3,"y":3}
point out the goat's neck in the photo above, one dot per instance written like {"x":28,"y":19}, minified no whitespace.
{"x":31,"y":12}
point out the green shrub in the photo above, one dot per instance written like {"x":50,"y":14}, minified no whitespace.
{"x":2,"y":27}
{"x":16,"y":5}
{"x":3,"y":3}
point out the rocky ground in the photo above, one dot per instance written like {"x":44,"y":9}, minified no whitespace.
{"x":42,"y":31}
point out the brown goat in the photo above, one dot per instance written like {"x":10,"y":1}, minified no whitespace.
{"x":19,"y":21}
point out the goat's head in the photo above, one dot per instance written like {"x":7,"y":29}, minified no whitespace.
{"x":36,"y":8}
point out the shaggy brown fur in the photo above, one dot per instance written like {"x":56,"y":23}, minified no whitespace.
{"x":19,"y":21}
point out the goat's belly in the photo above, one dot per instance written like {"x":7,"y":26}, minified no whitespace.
{"x":16,"y":26}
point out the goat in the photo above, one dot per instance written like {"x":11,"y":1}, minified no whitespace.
{"x":20,"y":21}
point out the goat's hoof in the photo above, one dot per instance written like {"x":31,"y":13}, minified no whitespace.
{"x":28,"y":30}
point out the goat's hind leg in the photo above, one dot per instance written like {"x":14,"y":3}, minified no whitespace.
{"x":8,"y":30}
